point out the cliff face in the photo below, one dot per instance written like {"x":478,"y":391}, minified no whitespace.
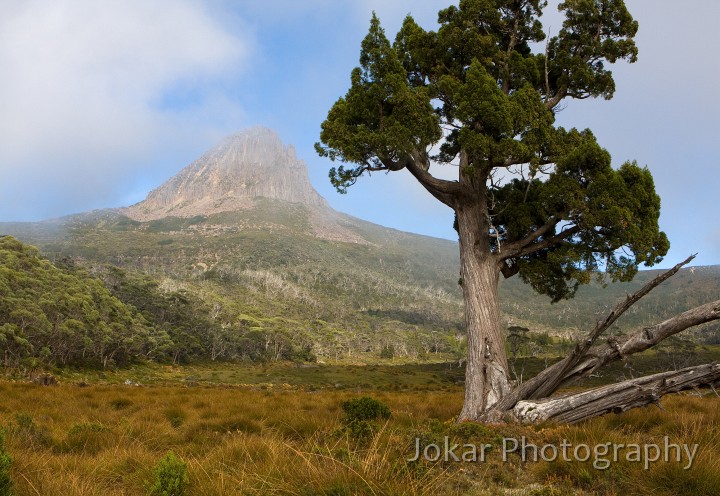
{"x":247,"y":165}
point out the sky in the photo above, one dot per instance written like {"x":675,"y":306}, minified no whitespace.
{"x":101,"y":101}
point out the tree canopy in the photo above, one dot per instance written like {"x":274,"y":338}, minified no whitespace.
{"x":52,"y":315}
{"x":481,"y":94}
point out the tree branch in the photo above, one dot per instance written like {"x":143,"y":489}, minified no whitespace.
{"x":553,"y":102}
{"x":575,"y":364}
{"x":601,"y":355}
{"x":515,"y":248}
{"x":617,"y":398}
{"x":630,"y":300}
{"x":448,"y":192}
{"x":541,"y":245}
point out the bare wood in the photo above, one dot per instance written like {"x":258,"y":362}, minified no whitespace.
{"x":556,"y":99}
{"x":581,"y":349}
{"x":601,"y":355}
{"x":642,"y":340}
{"x":617,"y":398}
{"x":550,"y":379}
{"x":630,"y":300}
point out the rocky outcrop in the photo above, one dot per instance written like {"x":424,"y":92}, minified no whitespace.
{"x":244,"y":166}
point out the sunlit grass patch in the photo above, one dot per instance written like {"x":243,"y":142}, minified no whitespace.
{"x":105,"y":440}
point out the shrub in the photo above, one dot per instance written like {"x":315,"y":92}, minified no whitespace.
{"x":175,"y":416}
{"x":360,"y":414}
{"x":5,"y":461}
{"x":170,"y":477}
{"x":120,"y":403}
{"x":24,"y":422}
{"x":388,"y":352}
{"x":364,"y":408}
{"x":29,"y":431}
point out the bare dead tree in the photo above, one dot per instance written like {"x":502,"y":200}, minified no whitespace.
{"x":531,"y":402}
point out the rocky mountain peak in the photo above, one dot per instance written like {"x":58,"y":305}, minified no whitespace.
{"x":243,"y":166}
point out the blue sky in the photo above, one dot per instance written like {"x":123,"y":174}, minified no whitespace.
{"x":103,"y":100}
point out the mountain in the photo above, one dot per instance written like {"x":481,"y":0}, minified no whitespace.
{"x":234,"y":176}
{"x":242,"y":167}
{"x":242,"y":229}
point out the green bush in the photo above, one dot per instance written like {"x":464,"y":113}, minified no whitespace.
{"x":170,"y":477}
{"x":175,"y":416}
{"x":387,"y":352}
{"x":364,"y":408}
{"x":360,"y":414}
{"x":5,"y":461}
{"x":32,"y":434}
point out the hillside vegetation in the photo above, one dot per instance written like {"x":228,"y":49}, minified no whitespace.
{"x":65,"y":316}
{"x":263,"y":286}
{"x":97,"y":314}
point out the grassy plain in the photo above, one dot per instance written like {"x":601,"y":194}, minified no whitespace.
{"x":279,"y":430}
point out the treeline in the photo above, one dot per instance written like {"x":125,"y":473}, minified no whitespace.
{"x":58,"y":316}
{"x":103,"y":316}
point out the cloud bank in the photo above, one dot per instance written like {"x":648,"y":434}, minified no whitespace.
{"x":93,"y":90}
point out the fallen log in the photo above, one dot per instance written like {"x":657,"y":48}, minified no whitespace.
{"x":616,"y":398}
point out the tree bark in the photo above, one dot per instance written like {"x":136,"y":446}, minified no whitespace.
{"x":616,"y":398}
{"x":486,"y":374}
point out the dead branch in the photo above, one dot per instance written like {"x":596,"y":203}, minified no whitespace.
{"x":617,"y":398}
{"x":549,"y":380}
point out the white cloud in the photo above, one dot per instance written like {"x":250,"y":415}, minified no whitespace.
{"x":89,"y":89}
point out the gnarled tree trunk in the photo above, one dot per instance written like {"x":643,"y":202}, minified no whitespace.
{"x":486,"y":375}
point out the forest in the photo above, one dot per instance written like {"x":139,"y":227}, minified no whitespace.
{"x":100,"y":315}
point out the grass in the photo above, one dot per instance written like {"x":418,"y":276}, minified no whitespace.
{"x":366,"y":372}
{"x":105,"y":439}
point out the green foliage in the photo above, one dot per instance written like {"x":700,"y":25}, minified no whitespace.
{"x":361,"y":414}
{"x":54,"y":315}
{"x":387,"y":352}
{"x":364,"y":408}
{"x":561,"y":211}
{"x":374,"y":121}
{"x":87,"y":437}
{"x":170,"y":477}
{"x":24,"y":422}
{"x":5,"y":462}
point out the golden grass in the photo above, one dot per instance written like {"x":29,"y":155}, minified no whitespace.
{"x":104,"y":440}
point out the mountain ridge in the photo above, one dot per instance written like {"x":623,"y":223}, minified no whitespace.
{"x":231,"y":177}
{"x":243,"y":166}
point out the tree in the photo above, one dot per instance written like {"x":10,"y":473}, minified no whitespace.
{"x":531,"y":198}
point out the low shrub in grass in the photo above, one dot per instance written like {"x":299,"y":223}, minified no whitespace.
{"x":364,"y":408}
{"x":5,"y":461}
{"x":360,"y":414}
{"x":29,"y":431}
{"x":88,"y":437}
{"x":175,"y":416}
{"x":170,"y":477}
